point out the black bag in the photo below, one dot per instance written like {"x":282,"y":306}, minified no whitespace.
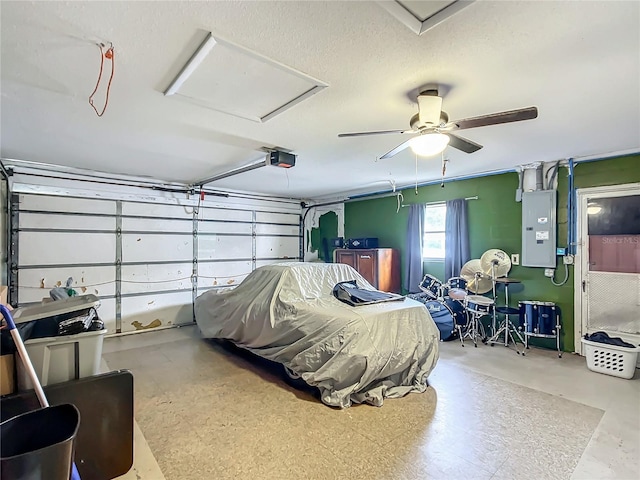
{"x":349,"y":293}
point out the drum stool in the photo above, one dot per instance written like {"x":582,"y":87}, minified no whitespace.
{"x":506,"y":325}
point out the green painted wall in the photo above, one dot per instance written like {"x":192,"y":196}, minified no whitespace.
{"x":495,"y":221}
{"x":327,"y":228}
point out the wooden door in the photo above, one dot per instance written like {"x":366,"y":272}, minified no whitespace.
{"x":368,"y":266}
{"x":388,"y":270}
{"x":347,"y":257}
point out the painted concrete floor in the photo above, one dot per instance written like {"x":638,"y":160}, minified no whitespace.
{"x":209,"y":411}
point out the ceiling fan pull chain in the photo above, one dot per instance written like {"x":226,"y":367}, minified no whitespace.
{"x":444,"y":170}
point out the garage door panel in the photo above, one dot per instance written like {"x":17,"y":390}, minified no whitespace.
{"x":107,"y":313}
{"x":141,"y":313}
{"x":34,"y":285}
{"x":156,"y":225}
{"x":154,"y":278}
{"x":50,"y":203}
{"x":148,"y":248}
{"x":215,"y":247}
{"x":277,"y":247}
{"x":157,"y":210}
{"x":265,"y":217}
{"x":222,"y":273}
{"x":56,"y":248}
{"x":262,"y":263}
{"x":70,"y":222}
{"x":220,"y":227}
{"x":220,"y":214}
{"x":265,"y":229}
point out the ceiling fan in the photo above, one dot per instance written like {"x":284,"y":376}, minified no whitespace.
{"x":431,"y":128}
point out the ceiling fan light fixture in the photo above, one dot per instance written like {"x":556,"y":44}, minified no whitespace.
{"x":429,"y":144}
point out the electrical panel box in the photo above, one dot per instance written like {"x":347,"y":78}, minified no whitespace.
{"x":539,"y":228}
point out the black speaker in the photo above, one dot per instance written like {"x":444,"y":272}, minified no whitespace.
{"x":337,"y":242}
{"x":367,"y":242}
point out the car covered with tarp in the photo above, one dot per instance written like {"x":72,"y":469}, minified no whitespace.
{"x":287,"y":313}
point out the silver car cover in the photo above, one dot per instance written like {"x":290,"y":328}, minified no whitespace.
{"x":286,"y":313}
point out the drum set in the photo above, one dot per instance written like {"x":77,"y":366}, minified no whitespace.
{"x":458,"y":305}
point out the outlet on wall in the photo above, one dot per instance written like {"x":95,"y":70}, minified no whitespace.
{"x":548,"y":272}
{"x":515,"y":259}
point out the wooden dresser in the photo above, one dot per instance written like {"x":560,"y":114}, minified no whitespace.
{"x":380,"y":266}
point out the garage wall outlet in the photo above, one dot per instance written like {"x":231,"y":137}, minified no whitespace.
{"x":548,"y":272}
{"x":515,"y":259}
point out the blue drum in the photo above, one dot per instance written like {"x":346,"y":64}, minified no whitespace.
{"x":538,"y":318}
{"x":447,"y":314}
{"x":456,"y":288}
{"x":431,"y":286}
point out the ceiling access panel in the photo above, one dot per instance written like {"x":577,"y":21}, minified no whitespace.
{"x":234,"y":80}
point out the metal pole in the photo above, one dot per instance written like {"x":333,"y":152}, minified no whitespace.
{"x":118,"y":282}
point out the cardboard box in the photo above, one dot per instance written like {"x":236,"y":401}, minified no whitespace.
{"x":4,"y":290}
{"x":7,"y":363}
{"x":7,"y":375}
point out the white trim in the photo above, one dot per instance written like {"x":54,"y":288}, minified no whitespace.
{"x":194,"y":62}
{"x":417,"y":26}
{"x":582,"y":248}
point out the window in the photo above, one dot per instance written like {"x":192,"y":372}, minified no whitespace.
{"x":434,"y":231}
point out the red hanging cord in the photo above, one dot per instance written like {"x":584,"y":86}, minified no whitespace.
{"x":109,"y":54}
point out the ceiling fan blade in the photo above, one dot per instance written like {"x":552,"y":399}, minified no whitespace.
{"x":381,"y":132}
{"x":528,"y":113}
{"x":396,"y":150}
{"x":463,"y":144}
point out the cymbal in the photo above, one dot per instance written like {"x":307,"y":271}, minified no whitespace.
{"x":495,"y":262}
{"x":507,"y":280}
{"x":477,"y":280}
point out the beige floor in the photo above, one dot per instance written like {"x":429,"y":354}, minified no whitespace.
{"x":209,"y":412}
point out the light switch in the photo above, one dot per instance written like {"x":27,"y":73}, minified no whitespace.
{"x":515,"y":259}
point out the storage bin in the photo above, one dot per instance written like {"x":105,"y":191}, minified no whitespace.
{"x":611,"y":359}
{"x":59,"y":359}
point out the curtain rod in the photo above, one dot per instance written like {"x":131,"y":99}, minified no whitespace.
{"x":436,"y":203}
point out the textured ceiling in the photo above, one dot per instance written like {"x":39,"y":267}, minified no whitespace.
{"x":578,"y":62}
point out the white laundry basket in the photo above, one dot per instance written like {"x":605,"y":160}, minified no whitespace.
{"x":611,"y":359}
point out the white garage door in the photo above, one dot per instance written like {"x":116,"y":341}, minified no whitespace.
{"x":145,"y":261}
